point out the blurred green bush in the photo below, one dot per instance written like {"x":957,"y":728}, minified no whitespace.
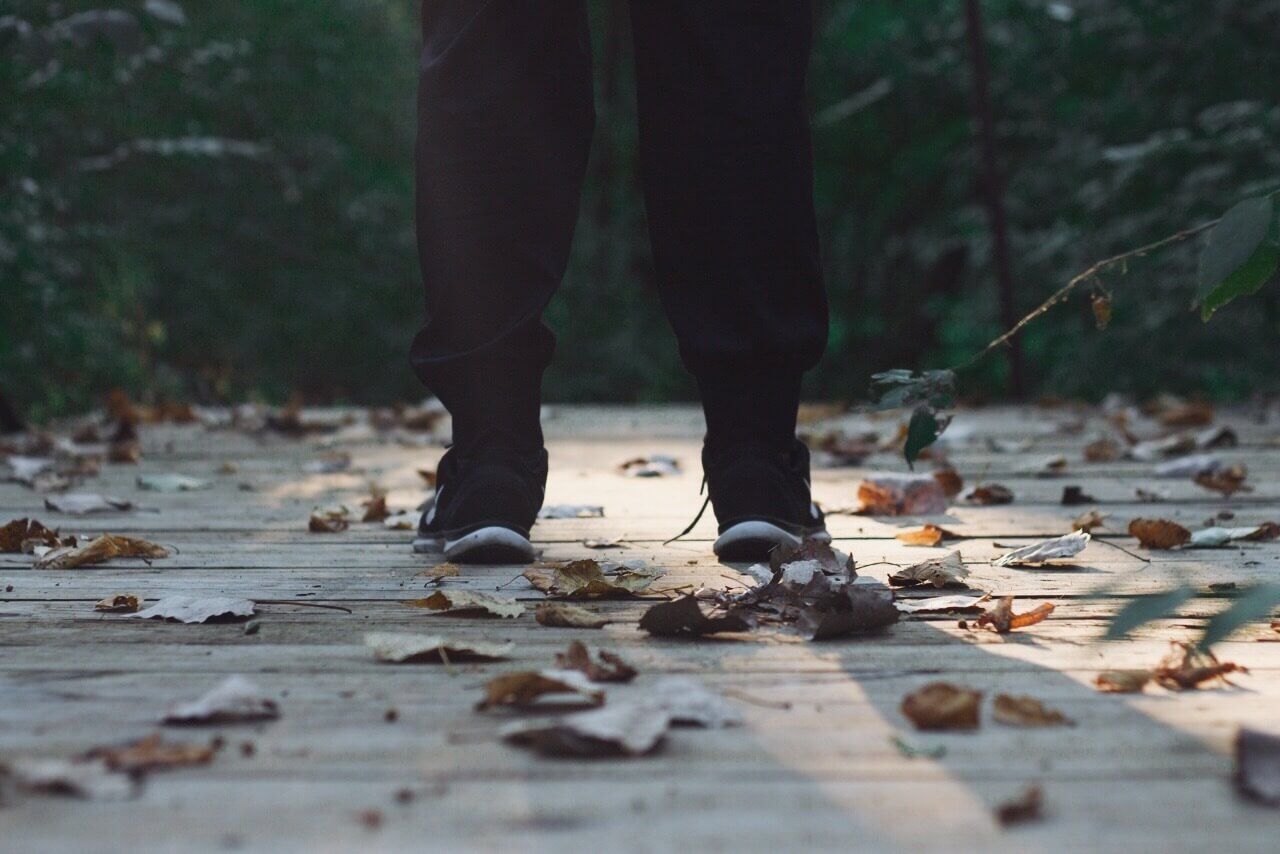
{"x":215,"y":200}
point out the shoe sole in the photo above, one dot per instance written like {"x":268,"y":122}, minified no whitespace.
{"x":751,"y":541}
{"x":492,"y":544}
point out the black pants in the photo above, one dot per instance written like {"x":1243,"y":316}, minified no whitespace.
{"x":506,"y":114}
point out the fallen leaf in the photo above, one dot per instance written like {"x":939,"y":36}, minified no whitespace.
{"x":404,"y":648}
{"x":198,"y":609}
{"x":465,"y":603}
{"x":375,"y":509}
{"x":1049,"y":467}
{"x":943,"y":706}
{"x":1187,"y":667}
{"x":1068,"y":545}
{"x":609,"y":667}
{"x":988,"y":494}
{"x":1221,"y":436}
{"x":901,"y":495}
{"x":20,"y":535}
{"x":84,"y":503}
{"x":1150,"y":496}
{"x":1258,"y":766}
{"x":1029,"y":806}
{"x":1088,"y":521}
{"x":329,"y":521}
{"x":1074,"y":495}
{"x":950,"y":481}
{"x":654,"y":465}
{"x":100,"y":550}
{"x":405,"y":520}
{"x":934,"y":604}
{"x":948,"y":571}
{"x":235,"y":700}
{"x":1101,"y":304}
{"x":605,"y":544}
{"x":683,"y":617}
{"x":170,"y":483}
{"x":689,"y":702}
{"x":586,"y":579}
{"x":1103,"y":451}
{"x":1003,"y":619}
{"x":1183,"y":414}
{"x":1226,"y":481}
{"x":435,"y":573}
{"x":523,"y":688}
{"x":566,"y":616}
{"x":852,"y":611}
{"x":1015,"y":710}
{"x":152,"y":753}
{"x":1192,"y":467}
{"x":1122,"y":681}
{"x":88,"y":779}
{"x":121,"y":603}
{"x":571,"y":511}
{"x":1159,"y":534}
{"x":624,"y":729}
{"x":929,"y":535}
{"x":1216,"y":536}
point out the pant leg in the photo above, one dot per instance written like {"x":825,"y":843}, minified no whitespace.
{"x":505,"y":119}
{"x":728,"y":184}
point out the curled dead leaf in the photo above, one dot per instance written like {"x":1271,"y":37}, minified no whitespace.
{"x":950,"y":481}
{"x":99,"y":550}
{"x":618,"y":730}
{"x":608,"y":667}
{"x":587,"y":579}
{"x":235,"y":700}
{"x":329,"y":521}
{"x":901,"y":495}
{"x":1029,"y":806}
{"x":948,"y":571}
{"x":988,"y":494}
{"x":1087,"y":522}
{"x":1187,"y":667}
{"x":1015,"y":710}
{"x":1227,"y":480}
{"x":1003,"y":619}
{"x":21,"y":535}
{"x":120,"y":603}
{"x":152,"y":753}
{"x":1122,"y":681}
{"x":943,"y":706}
{"x":375,"y":509}
{"x":567,"y":616}
{"x":929,"y":535}
{"x":1159,"y":534}
{"x":404,"y":648}
{"x":465,"y":603}
{"x":525,"y":687}
{"x":683,"y":617}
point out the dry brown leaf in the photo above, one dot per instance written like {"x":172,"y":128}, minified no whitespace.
{"x":929,"y":535}
{"x":329,"y":521}
{"x":1159,"y":534}
{"x":1029,"y":806}
{"x":1187,"y":667}
{"x":21,"y":535}
{"x":988,"y":494}
{"x":950,"y":481}
{"x":609,"y":667}
{"x":466,"y":603}
{"x":566,"y":616}
{"x":100,"y":550}
{"x":152,"y":753}
{"x":1103,"y":451}
{"x":234,"y":700}
{"x":943,"y":706}
{"x":435,"y":573}
{"x":586,"y":579}
{"x":948,"y":571}
{"x":525,"y":687}
{"x":121,"y":603}
{"x":1122,"y":681}
{"x":1101,"y":304}
{"x":901,"y":495}
{"x":1266,"y":531}
{"x":1227,"y":480}
{"x":404,"y":648}
{"x":683,"y":617}
{"x":375,"y":509}
{"x":1192,"y":414}
{"x":621,"y":730}
{"x":1015,"y":710}
{"x":1087,"y":522}
{"x":198,"y":609}
{"x":1003,"y":619}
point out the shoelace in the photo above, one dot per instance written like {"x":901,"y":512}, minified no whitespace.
{"x":696,"y":519}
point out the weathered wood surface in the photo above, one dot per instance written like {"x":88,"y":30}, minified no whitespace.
{"x":813,"y":766}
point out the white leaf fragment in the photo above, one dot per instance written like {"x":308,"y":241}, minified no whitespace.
{"x":688,"y":701}
{"x":235,"y":700}
{"x":170,"y":483}
{"x":1192,"y":466}
{"x":405,"y":648}
{"x":1067,"y":545}
{"x":1215,"y":536}
{"x":624,"y":729}
{"x":197,"y":609}
{"x":939,"y":603}
{"x":84,"y":503}
{"x":404,"y":520}
{"x":89,"y":779}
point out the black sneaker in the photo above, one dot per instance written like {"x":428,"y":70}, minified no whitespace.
{"x":486,"y":500}
{"x":761,"y":498}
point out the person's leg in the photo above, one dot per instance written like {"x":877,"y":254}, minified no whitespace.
{"x":727,"y":170}
{"x":505,"y":120}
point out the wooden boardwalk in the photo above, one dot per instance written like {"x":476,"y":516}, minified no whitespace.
{"x":814,"y":766}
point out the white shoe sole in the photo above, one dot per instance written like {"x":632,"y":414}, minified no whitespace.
{"x":751,"y":540}
{"x":493,"y":544}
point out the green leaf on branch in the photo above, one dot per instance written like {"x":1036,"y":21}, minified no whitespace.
{"x":1141,"y":610}
{"x":928,"y":392}
{"x":1255,"y":604}
{"x":1243,"y":252}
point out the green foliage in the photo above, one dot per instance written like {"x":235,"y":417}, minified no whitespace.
{"x":1141,"y":610}
{"x":1241,"y":255}
{"x":1253,"y":604}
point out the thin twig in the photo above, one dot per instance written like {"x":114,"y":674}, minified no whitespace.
{"x":1121,"y":548}
{"x":302,"y":604}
